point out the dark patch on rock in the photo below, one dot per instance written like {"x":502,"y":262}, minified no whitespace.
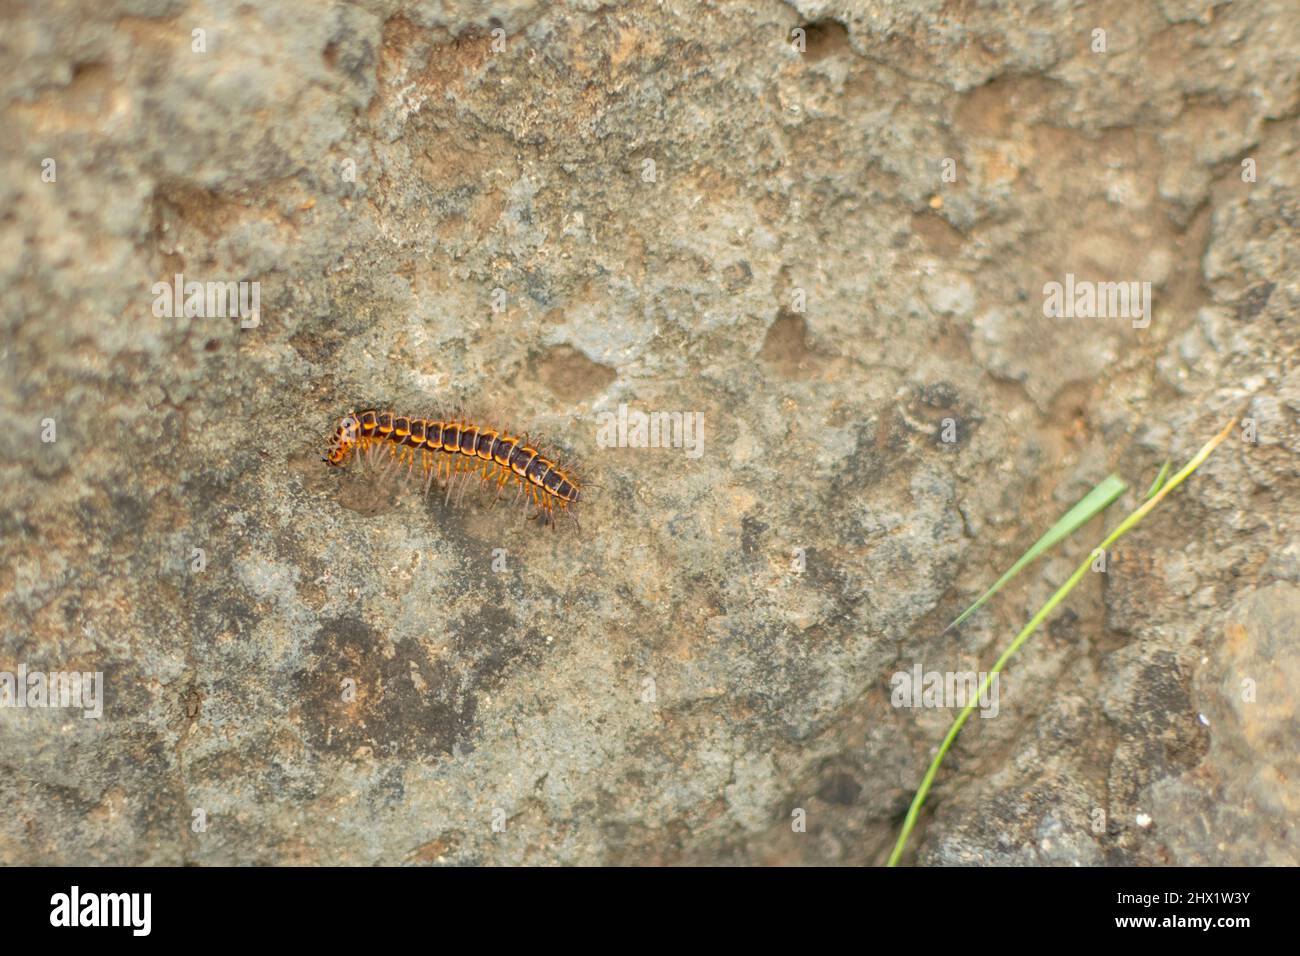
{"x":751,"y":530}
{"x":840,"y":788}
{"x":388,"y":713}
{"x":786,"y":347}
{"x":1254,"y":301}
{"x":825,"y":38}
{"x":737,"y":275}
{"x":571,"y":375}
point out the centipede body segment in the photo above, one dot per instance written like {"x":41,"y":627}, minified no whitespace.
{"x":450,"y":450}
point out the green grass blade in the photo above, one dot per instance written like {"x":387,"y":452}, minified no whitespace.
{"x":914,"y":811}
{"x":1093,"y":502}
{"x":1160,"y":480}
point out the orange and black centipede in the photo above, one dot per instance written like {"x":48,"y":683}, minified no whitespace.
{"x":447,"y":450}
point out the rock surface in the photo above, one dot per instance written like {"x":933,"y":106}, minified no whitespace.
{"x":543,"y":212}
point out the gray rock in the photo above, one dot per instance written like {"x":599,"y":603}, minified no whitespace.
{"x":673,"y":209}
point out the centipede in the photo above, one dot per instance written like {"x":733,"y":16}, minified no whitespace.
{"x":455,"y":451}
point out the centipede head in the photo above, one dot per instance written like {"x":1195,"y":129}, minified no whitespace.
{"x":343,"y":440}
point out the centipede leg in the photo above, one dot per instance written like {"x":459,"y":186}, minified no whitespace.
{"x":541,"y":510}
{"x":501,"y":485}
{"x":453,"y":471}
{"x":428,"y":473}
{"x":464,"y":482}
{"x":383,"y":465}
{"x":395,"y":458}
{"x":488,"y":473}
{"x":482,"y":473}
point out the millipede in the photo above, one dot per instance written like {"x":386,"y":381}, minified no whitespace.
{"x":458,"y":449}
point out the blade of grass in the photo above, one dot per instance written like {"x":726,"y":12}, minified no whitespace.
{"x":1100,"y":498}
{"x":909,"y":823}
{"x":1160,"y":480}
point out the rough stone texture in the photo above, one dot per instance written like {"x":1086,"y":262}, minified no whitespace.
{"x":664,"y":687}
